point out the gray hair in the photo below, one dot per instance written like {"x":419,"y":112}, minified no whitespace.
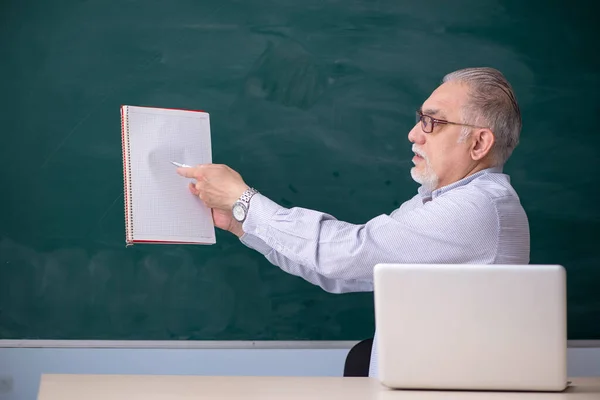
{"x":492,"y":104}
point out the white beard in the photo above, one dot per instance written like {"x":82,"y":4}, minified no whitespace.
{"x":428,"y":178}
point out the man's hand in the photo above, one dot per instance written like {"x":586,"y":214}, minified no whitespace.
{"x":224,"y":220}
{"x":219,"y":187}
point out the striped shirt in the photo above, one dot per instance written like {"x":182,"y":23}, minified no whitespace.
{"x":478,"y":219}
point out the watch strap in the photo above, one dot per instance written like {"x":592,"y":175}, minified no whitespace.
{"x":247,"y":195}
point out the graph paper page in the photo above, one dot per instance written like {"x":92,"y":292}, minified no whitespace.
{"x":163,"y":208}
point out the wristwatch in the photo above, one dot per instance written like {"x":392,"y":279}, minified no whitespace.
{"x":240,"y":207}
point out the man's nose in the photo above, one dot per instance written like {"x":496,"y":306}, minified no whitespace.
{"x":416,"y":134}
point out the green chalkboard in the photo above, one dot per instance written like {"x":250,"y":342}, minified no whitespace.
{"x":311,"y":101}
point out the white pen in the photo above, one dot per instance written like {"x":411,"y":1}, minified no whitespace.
{"x":180,"y":165}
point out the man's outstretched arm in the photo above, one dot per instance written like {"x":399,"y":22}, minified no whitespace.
{"x":453,"y":230}
{"x":457,"y":228}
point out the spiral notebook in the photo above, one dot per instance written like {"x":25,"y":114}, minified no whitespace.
{"x":159,"y":208}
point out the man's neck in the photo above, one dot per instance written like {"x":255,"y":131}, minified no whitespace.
{"x":476,"y":168}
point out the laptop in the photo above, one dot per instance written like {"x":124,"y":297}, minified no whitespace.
{"x":471,"y":327}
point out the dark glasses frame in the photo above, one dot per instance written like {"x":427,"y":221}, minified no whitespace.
{"x":424,"y":118}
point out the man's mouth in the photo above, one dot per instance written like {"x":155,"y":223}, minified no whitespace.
{"x":417,"y":157}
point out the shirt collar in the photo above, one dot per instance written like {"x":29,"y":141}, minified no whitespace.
{"x":428,"y":195}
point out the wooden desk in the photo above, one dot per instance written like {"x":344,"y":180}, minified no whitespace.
{"x":174,"y":387}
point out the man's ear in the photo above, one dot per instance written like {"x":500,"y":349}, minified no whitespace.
{"x":481,"y":144}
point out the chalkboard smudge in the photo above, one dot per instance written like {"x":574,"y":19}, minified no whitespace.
{"x":287,"y":74}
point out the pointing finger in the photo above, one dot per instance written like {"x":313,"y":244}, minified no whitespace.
{"x":187,"y":172}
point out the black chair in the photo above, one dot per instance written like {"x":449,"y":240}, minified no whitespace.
{"x":358,"y":359}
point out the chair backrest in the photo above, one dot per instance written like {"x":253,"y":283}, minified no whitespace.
{"x":359,"y":358}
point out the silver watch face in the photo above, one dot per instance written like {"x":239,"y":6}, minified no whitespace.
{"x":239,"y":212}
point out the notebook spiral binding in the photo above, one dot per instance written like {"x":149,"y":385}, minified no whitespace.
{"x":126,"y":175}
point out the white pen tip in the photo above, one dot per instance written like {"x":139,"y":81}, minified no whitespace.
{"x":180,"y":165}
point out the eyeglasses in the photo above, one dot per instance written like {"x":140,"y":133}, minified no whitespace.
{"x":428,"y":122}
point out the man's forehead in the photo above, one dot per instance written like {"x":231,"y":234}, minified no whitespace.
{"x":447,"y":99}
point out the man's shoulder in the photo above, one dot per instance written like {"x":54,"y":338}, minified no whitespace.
{"x":489,"y":194}
{"x":495,"y":185}
{"x":481,"y":194}
{"x":491,"y":187}
{"x":488,"y":200}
